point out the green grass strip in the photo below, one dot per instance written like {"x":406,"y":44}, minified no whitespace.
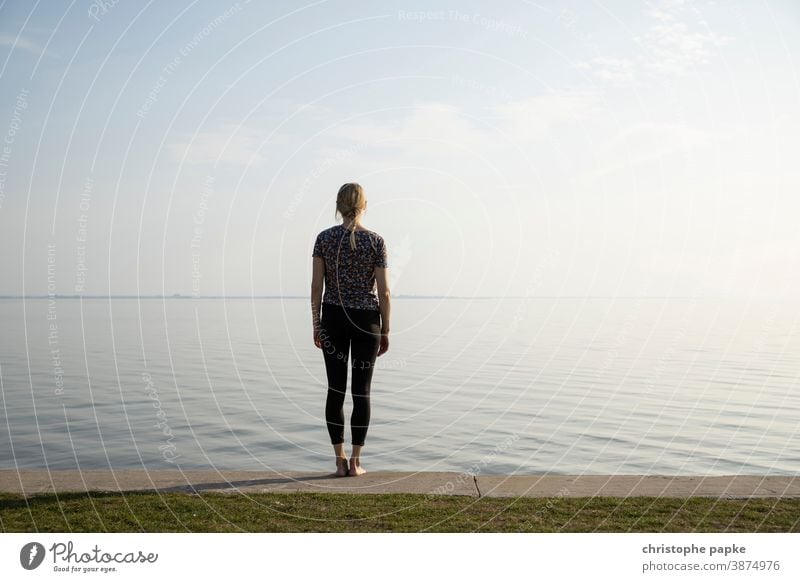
{"x":343,"y":512}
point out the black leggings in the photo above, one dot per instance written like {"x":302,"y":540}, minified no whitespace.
{"x":340,"y":330}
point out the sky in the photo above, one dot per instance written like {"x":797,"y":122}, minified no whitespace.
{"x":616,"y":148}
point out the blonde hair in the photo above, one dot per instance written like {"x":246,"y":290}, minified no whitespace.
{"x":351,"y":203}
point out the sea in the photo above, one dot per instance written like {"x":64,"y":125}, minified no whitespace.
{"x":606,"y":386}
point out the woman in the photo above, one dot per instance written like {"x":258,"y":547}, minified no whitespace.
{"x":351,"y":261}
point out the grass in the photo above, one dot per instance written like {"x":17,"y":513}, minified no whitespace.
{"x":343,"y":512}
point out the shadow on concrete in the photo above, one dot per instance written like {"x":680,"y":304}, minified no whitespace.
{"x":196,"y":487}
{"x":49,"y":498}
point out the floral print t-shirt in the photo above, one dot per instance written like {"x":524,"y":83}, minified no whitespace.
{"x":350,"y":274}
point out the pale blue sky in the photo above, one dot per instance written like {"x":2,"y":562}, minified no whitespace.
{"x":544,"y":148}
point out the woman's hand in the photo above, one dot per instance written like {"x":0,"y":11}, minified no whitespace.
{"x":384,"y":347}
{"x":317,"y":338}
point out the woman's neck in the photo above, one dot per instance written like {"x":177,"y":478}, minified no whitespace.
{"x":349,"y":223}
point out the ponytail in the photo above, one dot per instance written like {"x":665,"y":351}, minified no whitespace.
{"x":351,"y":202}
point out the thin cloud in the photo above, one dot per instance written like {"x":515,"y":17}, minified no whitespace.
{"x":426,"y":129}
{"x":533,"y":118}
{"x":646,"y":142}
{"x":611,"y":69}
{"x":677,"y":41}
{"x":230,"y":143}
{"x":22,"y":43}
{"x":674,"y":47}
{"x":442,"y":130}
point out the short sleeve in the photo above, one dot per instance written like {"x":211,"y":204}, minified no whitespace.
{"x":381,"y":260}
{"x":317,"y":252}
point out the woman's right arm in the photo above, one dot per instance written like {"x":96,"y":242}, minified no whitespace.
{"x":317,"y":287}
{"x":384,"y":301}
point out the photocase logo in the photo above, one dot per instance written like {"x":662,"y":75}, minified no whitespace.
{"x":31,"y":555}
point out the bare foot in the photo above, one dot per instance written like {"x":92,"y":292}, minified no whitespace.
{"x":341,"y":466}
{"x":355,"y":468}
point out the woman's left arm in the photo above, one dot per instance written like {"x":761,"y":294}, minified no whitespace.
{"x":317,"y":282}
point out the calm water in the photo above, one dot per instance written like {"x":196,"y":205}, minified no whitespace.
{"x":576,"y":386}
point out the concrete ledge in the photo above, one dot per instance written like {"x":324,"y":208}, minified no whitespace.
{"x":726,"y":486}
{"x":31,"y":482}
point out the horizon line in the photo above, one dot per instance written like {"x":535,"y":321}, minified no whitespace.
{"x":399,"y":296}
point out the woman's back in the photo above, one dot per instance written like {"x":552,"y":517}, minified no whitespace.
{"x":350,"y":273}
